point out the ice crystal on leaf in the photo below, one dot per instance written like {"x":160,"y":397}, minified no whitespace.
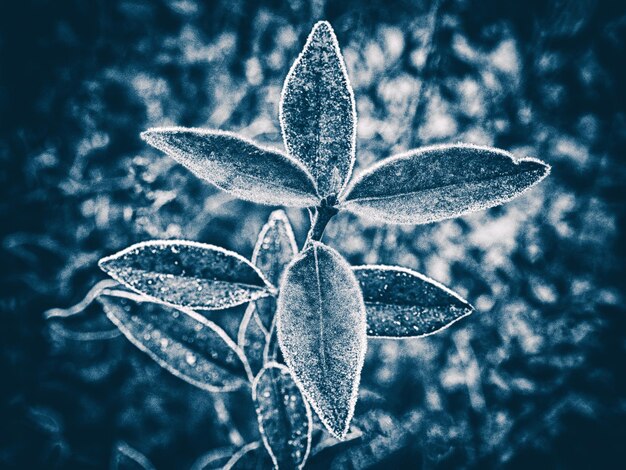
{"x":321,"y":332}
{"x":401,"y":303}
{"x":317,"y":111}
{"x":187,"y":274}
{"x":284,"y":417}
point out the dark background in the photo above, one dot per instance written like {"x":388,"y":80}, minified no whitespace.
{"x":535,"y":377}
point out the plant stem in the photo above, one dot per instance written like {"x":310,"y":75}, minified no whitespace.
{"x":323,"y":214}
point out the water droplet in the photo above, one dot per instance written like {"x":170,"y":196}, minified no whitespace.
{"x":190,"y":358}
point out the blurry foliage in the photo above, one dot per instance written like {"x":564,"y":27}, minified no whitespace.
{"x":536,"y":377}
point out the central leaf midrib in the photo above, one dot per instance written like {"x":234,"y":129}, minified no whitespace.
{"x":321,"y":314}
{"x":197,"y":278}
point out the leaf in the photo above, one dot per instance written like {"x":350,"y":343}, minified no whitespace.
{"x":185,"y":344}
{"x":128,"y":458}
{"x":252,"y":340}
{"x":237,"y":165}
{"x":317,"y":111}
{"x":401,"y":303}
{"x":250,"y":457}
{"x":284,"y":417}
{"x":275,"y":248}
{"x":187,"y":274}
{"x":322,"y":333}
{"x":441,"y":182}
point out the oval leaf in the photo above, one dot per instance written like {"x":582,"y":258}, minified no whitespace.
{"x":187,"y":274}
{"x":284,"y":417}
{"x":275,"y":248}
{"x":401,"y":303}
{"x":237,"y":165}
{"x":317,"y":111}
{"x":322,"y":333}
{"x":441,"y":182}
{"x":185,"y":344}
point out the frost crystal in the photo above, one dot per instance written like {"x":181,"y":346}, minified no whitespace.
{"x":441,"y":182}
{"x":187,"y":274}
{"x":317,"y":111}
{"x":284,"y":417}
{"x":237,"y":165}
{"x":322,"y":333}
{"x":185,"y":344}
{"x":401,"y":303}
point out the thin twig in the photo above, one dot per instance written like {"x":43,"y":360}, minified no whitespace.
{"x":83,"y":304}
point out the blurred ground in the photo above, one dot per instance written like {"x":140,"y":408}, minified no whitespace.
{"x":535,"y":378}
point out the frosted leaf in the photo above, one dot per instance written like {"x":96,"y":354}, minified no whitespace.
{"x":322,"y":333}
{"x":401,"y":303}
{"x":317,"y":111}
{"x":185,"y":344}
{"x":275,"y":248}
{"x":127,"y":458}
{"x":237,"y":165}
{"x":250,"y":457}
{"x":441,"y":182}
{"x":284,"y":417}
{"x":187,"y":274}
{"x":252,"y":340}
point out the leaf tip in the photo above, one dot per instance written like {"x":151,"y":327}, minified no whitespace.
{"x":322,"y":27}
{"x":105,"y":264}
{"x":149,"y":135}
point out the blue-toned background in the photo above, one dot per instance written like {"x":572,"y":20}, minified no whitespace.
{"x":535,"y":377}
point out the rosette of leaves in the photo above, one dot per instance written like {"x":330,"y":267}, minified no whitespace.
{"x":303,"y":338}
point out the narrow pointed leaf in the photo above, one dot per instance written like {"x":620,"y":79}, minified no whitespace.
{"x":187,"y":274}
{"x":252,"y":340}
{"x":322,"y":333}
{"x":441,"y":182}
{"x":185,"y":344}
{"x":401,"y":303}
{"x":237,"y":165}
{"x":317,"y":111}
{"x":275,"y":248}
{"x":284,"y":417}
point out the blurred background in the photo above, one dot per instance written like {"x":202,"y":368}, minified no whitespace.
{"x":535,"y":377}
